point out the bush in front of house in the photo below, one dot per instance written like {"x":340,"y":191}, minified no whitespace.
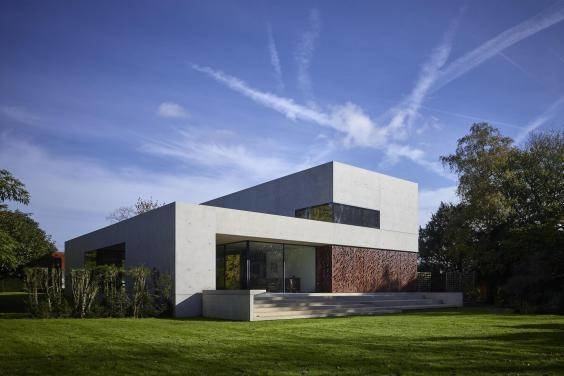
{"x":102,"y":291}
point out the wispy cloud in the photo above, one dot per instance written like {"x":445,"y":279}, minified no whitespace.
{"x":285,"y":106}
{"x":211,"y":149}
{"x":540,"y":120}
{"x":405,"y":114}
{"x":494,"y":46}
{"x":358,"y":128}
{"x":19,"y":114}
{"x":304,"y":53}
{"x":72,"y":195}
{"x":274,"y":58}
{"x":435,"y":74}
{"x":171,"y":110}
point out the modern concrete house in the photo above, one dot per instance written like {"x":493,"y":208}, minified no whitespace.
{"x":330,"y":240}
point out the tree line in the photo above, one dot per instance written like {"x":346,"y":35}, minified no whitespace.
{"x":508,"y":223}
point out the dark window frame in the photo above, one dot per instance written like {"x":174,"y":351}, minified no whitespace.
{"x":245,"y":261}
{"x":346,"y":215}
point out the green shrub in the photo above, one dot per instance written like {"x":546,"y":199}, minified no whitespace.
{"x":103,"y":291}
{"x":114,"y":301}
{"x":84,"y":285}
{"x":140,"y":296}
{"x":35,"y":280}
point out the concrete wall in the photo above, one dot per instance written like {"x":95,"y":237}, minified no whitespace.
{"x":453,"y":299}
{"x":284,"y":195}
{"x":149,"y":241}
{"x":194,"y":257}
{"x":229,"y":304}
{"x":396,"y":199}
{"x":197,"y":226}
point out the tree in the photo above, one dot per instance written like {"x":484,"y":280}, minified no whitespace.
{"x":11,"y":189}
{"x":445,"y":242}
{"x":22,"y":241}
{"x":535,"y":186}
{"x":480,"y":161}
{"x":125,"y":212}
{"x":509,"y":225}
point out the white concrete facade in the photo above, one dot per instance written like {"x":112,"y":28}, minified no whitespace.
{"x":181,"y":238}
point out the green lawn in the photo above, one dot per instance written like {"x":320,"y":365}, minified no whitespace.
{"x":468,"y":341}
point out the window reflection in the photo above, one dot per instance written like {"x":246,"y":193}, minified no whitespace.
{"x":340,"y":213}
{"x":273,"y":267}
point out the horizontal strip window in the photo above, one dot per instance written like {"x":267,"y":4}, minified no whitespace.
{"x":340,"y":213}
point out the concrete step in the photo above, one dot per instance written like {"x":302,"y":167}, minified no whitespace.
{"x":322,"y":313}
{"x":348,"y":308}
{"x":364,"y":297}
{"x":359,"y":303}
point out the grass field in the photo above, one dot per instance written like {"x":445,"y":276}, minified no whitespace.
{"x":452,"y":342}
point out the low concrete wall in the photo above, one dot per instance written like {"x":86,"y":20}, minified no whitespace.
{"x":229,"y":304}
{"x":448,"y":298}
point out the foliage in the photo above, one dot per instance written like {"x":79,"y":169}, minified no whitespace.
{"x":101,"y":291}
{"x":445,"y":244}
{"x":114,"y":300}
{"x":480,"y":162}
{"x":84,"y":284}
{"x":54,"y":293}
{"x":8,"y":253}
{"x":23,"y":241}
{"x":447,"y":342}
{"x":125,"y":212}
{"x":161,"y":293}
{"x":141,"y":298}
{"x":509,"y":223}
{"x":11,"y":189}
{"x":35,"y":280}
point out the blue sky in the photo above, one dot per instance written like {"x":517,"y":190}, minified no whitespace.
{"x":102,"y":102}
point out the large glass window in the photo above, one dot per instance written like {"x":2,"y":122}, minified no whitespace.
{"x":266,"y":266}
{"x":340,"y":213}
{"x":300,"y":268}
{"x":234,"y":268}
{"x":113,"y":255}
{"x":273,"y":267}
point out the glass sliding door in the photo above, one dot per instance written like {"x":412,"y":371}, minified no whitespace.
{"x":266,"y":266}
{"x":273,"y":267}
{"x":300,"y":268}
{"x":234,"y":265}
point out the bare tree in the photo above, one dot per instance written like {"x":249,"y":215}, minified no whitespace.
{"x":125,"y":212}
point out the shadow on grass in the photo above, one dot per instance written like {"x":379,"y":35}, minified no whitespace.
{"x":316,"y":346}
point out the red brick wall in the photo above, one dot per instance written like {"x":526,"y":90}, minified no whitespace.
{"x":355,"y":269}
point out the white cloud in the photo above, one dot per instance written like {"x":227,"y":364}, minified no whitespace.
{"x":405,"y":114}
{"x":435,"y":74}
{"x":494,"y":46}
{"x":171,"y":110}
{"x":285,"y":106}
{"x":19,"y":114}
{"x":208,"y":150}
{"x":274,"y":59}
{"x":348,"y":119}
{"x":540,"y":120}
{"x":305,"y":50}
{"x":430,"y":199}
{"x":71,"y":195}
